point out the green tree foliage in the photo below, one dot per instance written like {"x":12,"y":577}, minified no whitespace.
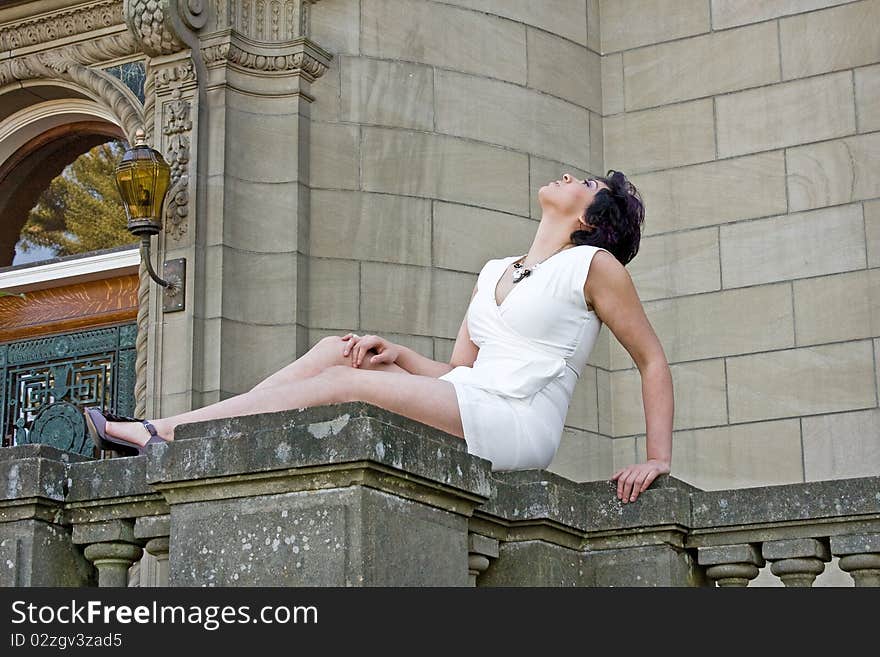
{"x":81,"y":210}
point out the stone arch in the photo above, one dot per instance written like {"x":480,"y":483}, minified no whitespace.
{"x":68,"y":68}
{"x":43,"y":128}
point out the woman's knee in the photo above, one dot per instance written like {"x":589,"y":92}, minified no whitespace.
{"x":326,"y":352}
{"x":330,"y":349}
{"x":333,"y":346}
{"x":340,"y":380}
{"x":329,"y":342}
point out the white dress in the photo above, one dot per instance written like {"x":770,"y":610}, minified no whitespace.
{"x":533,"y":348}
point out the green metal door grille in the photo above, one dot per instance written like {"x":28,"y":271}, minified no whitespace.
{"x":42,"y":378}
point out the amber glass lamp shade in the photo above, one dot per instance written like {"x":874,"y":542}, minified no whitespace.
{"x":142,"y":177}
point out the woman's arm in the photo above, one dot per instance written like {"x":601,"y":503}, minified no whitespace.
{"x":414,"y":363}
{"x":610,"y":290}
{"x":464,"y":352}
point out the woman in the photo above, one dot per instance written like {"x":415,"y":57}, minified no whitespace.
{"x":527,"y":334}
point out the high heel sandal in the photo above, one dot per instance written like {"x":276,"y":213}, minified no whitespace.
{"x":96,"y":421}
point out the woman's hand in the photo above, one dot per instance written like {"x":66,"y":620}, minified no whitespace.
{"x":358,"y":346}
{"x":635,"y":479}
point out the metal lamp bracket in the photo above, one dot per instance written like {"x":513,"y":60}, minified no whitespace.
{"x":173,"y":296}
{"x":174,"y":283}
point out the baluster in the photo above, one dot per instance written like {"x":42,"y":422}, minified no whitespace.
{"x":731,"y":565}
{"x":159,"y":548}
{"x":155,"y":531}
{"x":797,"y":561}
{"x":112,"y":548}
{"x":480,"y":550}
{"x":113,"y":561}
{"x":859,"y":556}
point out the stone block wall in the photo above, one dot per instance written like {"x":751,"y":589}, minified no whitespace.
{"x":751,"y":131}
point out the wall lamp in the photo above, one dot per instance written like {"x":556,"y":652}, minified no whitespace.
{"x":143,"y":177}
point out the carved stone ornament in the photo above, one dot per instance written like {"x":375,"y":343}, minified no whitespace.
{"x":66,"y":23}
{"x":303,"y":58}
{"x":180,"y":73}
{"x":151,"y":23}
{"x":264,"y":20}
{"x":264,"y":36}
{"x":177,"y":127}
{"x":159,"y":80}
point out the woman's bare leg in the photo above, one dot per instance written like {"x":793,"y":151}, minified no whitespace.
{"x":326,"y":353}
{"x":425,"y":399}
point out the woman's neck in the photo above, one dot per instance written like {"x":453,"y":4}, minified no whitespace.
{"x":546,"y":244}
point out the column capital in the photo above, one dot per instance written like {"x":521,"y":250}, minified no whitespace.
{"x":262,"y":68}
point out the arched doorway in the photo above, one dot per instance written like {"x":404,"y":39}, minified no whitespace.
{"x":38,"y":144}
{"x":70,"y":341}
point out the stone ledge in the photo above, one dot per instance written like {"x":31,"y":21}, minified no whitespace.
{"x":40,"y":451}
{"x":111,"y":490}
{"x":322,"y":421}
{"x":330,"y":438}
{"x":529,"y":495}
{"x":32,"y":477}
{"x":809,"y":501}
{"x":108,"y":478}
{"x":34,"y":474}
{"x":541,"y":505}
{"x":666,"y":502}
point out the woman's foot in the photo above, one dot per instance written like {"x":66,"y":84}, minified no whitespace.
{"x":133,"y":432}
{"x":122,"y":438}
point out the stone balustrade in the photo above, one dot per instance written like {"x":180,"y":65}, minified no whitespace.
{"x":797,"y":528}
{"x":107,"y":502}
{"x":353,"y":495}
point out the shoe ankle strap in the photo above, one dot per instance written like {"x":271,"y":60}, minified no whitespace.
{"x":150,"y":428}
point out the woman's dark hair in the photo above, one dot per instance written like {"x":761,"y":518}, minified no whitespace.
{"x":616,"y":216}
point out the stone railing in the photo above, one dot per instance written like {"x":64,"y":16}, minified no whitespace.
{"x":353,"y":495}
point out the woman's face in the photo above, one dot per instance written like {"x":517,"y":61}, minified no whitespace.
{"x":569,"y":196}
